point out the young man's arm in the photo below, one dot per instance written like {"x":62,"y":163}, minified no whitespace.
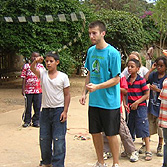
{"x":137,"y":102}
{"x":111,"y":82}
{"x":63,"y":116}
{"x":85,"y":91}
{"x":33,"y":66}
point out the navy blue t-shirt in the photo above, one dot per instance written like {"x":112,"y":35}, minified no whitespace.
{"x":154,"y":102}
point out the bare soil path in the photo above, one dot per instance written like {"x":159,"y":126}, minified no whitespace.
{"x":19,"y":147}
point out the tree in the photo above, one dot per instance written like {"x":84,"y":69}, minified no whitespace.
{"x":160,"y":18}
{"x":124,"y":30}
{"x":24,"y":38}
{"x":151,"y":30}
{"x":133,"y":6}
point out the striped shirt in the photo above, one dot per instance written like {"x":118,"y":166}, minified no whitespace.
{"x":163,"y":107}
{"x":136,"y":90}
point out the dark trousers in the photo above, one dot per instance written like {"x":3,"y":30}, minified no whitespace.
{"x":35,"y":100}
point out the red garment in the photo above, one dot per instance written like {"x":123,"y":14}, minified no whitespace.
{"x":123,"y":84}
{"x":32,"y":85}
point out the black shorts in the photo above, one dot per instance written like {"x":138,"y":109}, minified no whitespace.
{"x":104,"y":120}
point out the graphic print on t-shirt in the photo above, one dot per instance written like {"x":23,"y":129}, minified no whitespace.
{"x":96,"y":66}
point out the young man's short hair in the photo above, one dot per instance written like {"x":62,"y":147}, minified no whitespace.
{"x":99,"y":24}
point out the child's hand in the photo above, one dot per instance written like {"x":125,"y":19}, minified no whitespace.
{"x":127,"y":108}
{"x":154,"y":66}
{"x":134,"y":105}
{"x":39,"y":59}
{"x":23,"y":92}
{"x":154,"y":88}
{"x":63,"y":116}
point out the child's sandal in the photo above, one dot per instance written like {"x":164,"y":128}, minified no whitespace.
{"x":148,"y":156}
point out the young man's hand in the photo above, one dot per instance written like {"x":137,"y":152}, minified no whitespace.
{"x":82,"y":100}
{"x":91,"y":87}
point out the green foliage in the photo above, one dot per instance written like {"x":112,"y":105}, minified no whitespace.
{"x":124,"y":30}
{"x":24,"y":38}
{"x":133,"y":6}
{"x":160,"y":18}
{"x":143,"y":60}
{"x":151,"y":31}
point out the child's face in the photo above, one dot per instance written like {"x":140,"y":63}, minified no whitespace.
{"x":34,"y":56}
{"x":161,"y":68}
{"x":51,"y":63}
{"x":132,"y":68}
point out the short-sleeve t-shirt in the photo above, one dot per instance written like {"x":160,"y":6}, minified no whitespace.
{"x":52,"y":89}
{"x":32,"y":83}
{"x":136,"y":90}
{"x":104,"y":64}
{"x":154,"y":103}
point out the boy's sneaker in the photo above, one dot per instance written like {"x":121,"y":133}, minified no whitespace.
{"x":115,"y":165}
{"x":142,"y":149}
{"x":134,"y":156}
{"x":107,"y":155}
{"x":159,"y":151}
{"x":100,"y":165}
{"x":25,"y":125}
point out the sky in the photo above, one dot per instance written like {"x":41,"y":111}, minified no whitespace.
{"x":151,"y":1}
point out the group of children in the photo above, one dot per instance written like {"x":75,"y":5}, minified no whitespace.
{"x":144,"y":119}
{"x":137,"y":91}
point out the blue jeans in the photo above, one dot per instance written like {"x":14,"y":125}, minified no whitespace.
{"x":52,"y":136}
{"x":165,"y":147}
{"x":35,"y":100}
{"x":138,"y":122}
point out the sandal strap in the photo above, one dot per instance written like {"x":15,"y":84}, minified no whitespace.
{"x":149,"y":154}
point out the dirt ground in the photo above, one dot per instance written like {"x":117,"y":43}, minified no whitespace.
{"x":19,"y":147}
